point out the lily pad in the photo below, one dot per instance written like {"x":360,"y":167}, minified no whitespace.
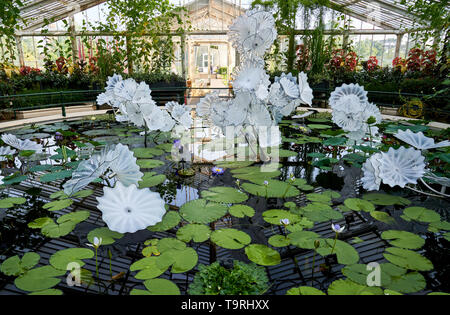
{"x":420,"y":214}
{"x":407,"y":259}
{"x":58,"y":204}
{"x":169,"y":221}
{"x":359,"y":204}
{"x":274,"y":216}
{"x":61,"y":259}
{"x":149,"y":163}
{"x":157,"y":287}
{"x":304,"y":291}
{"x":262,"y":255}
{"x":147,"y":267}
{"x":385,"y":199}
{"x":108,"y":236}
{"x":240,"y":211}
{"x":201,"y":211}
{"x":348,"y":287}
{"x":11,"y":202}
{"x":39,"y":279}
{"x":224,"y":195}
{"x":346,"y":254}
{"x":195,"y":232}
{"x":151,"y":179}
{"x":230,"y":238}
{"x":279,"y":241}
{"x":274,"y":189}
{"x":403,"y":239}
{"x":14,"y":266}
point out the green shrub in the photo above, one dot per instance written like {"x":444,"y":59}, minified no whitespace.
{"x":242,"y":279}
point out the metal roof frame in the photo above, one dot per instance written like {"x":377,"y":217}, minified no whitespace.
{"x":386,"y":14}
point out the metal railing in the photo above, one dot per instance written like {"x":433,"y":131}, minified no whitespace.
{"x":187,"y":95}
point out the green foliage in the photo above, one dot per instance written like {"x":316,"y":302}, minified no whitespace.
{"x":242,"y":279}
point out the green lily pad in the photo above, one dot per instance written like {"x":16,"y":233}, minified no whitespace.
{"x":385,"y":199}
{"x":230,"y":238}
{"x":407,"y":259}
{"x":39,"y":279}
{"x":420,"y":214}
{"x":274,"y":189}
{"x":304,"y":291}
{"x":58,"y":204}
{"x":157,"y":287}
{"x":146,"y":153}
{"x":51,"y":177}
{"x":14,"y":266}
{"x":108,"y":236}
{"x":224,"y":195}
{"x":151,"y":179}
{"x":359,"y":204}
{"x":279,"y":241}
{"x":149,"y":163}
{"x":195,"y":232}
{"x":348,"y":287}
{"x":303,"y":239}
{"x":240,"y":211}
{"x":408,"y":283}
{"x":201,"y":211}
{"x":382,"y":216}
{"x":170,"y":220}
{"x":148,"y":268}
{"x":346,"y":254}
{"x":61,"y":259}
{"x":11,"y":202}
{"x":403,"y":239}
{"x":274,"y":216}
{"x":262,"y":255}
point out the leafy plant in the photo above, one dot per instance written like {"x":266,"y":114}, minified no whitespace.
{"x":241,"y":279}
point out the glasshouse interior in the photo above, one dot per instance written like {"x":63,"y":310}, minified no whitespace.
{"x":224,"y":147}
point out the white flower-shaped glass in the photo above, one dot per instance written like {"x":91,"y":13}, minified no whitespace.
{"x":123,"y":165}
{"x":88,"y":171}
{"x":129,"y":209}
{"x":419,"y":140}
{"x":253,"y":33}
{"x":348,"y":93}
{"x":306,"y":93}
{"x":371,"y":179}
{"x":6,"y":151}
{"x":204,"y":106}
{"x":112,"y":81}
{"x":402,"y":166}
{"x":250,"y":77}
{"x":19,"y":144}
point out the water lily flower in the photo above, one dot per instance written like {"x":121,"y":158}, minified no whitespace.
{"x":217,"y":170}
{"x":19,"y":144}
{"x":285,"y":221}
{"x":337,"y":228}
{"x":419,"y":140}
{"x":96,"y":242}
{"x":129,"y":209}
{"x":266,"y":183}
{"x":58,"y":136}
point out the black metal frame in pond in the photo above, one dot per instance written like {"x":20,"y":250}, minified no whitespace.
{"x":64,"y":99}
{"x":294,"y":270}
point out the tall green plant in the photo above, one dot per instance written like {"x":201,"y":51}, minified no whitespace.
{"x":9,"y":24}
{"x":147,"y":42}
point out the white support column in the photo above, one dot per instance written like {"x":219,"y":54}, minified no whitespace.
{"x":398,"y":44}
{"x":20,"y":51}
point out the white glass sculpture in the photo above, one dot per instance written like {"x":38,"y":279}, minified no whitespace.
{"x":19,"y":144}
{"x":129,"y":209}
{"x":419,"y":140}
{"x":6,"y":151}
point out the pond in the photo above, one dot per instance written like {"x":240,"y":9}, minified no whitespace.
{"x":306,"y":226}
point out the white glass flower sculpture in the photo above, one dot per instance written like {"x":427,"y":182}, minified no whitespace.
{"x":306,"y":93}
{"x":86,"y":172}
{"x":252,"y":34}
{"x":394,"y":168}
{"x":371,"y":179}
{"x":19,"y":144}
{"x":257,"y":103}
{"x":1,"y":179}
{"x":351,"y":111}
{"x":419,"y":140}
{"x":250,"y":78}
{"x":123,"y":165}
{"x":348,"y":93}
{"x":133,"y":103}
{"x":6,"y":151}
{"x":129,"y":209}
